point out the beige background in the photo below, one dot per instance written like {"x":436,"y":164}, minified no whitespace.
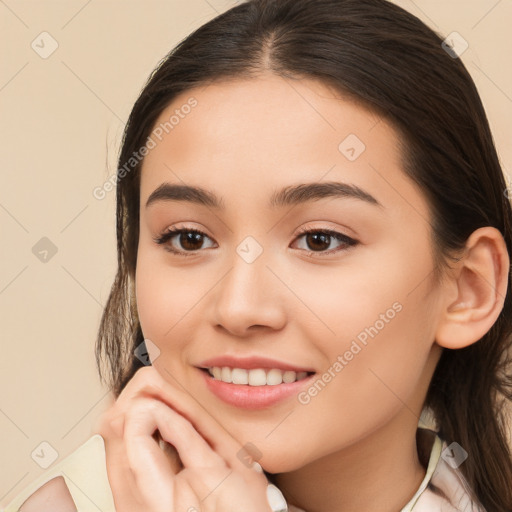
{"x":61,"y":124}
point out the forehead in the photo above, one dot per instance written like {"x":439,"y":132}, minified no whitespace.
{"x":261,"y":112}
{"x":257,"y":135}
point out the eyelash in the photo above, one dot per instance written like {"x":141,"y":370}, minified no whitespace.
{"x":169,"y":233}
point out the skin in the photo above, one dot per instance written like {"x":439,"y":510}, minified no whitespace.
{"x":355,"y":440}
{"x":52,"y":495}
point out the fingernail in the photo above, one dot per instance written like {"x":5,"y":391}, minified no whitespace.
{"x":276,"y":499}
{"x":257,"y":467}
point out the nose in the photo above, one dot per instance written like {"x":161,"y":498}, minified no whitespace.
{"x":249,"y":298}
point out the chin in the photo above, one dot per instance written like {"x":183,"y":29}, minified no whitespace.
{"x":280,"y":462}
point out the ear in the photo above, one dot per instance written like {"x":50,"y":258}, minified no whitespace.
{"x":476,"y":291}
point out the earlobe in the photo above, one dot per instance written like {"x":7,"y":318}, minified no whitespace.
{"x":481,"y":281}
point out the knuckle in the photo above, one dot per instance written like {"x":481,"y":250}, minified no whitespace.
{"x":117,"y":426}
{"x":115,"y":421}
{"x":145,"y":379}
{"x":140,"y":408}
{"x":105,"y":420}
{"x":110,"y":425}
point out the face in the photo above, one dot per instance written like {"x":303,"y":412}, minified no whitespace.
{"x":333,"y":281}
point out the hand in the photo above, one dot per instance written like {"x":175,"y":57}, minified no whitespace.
{"x":194,"y":469}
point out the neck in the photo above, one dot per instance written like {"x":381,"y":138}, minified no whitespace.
{"x":380,"y":472}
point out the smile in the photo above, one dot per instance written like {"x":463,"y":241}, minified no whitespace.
{"x":256,"y":388}
{"x":256,"y":376}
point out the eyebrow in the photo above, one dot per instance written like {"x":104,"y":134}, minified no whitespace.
{"x":288,"y":196}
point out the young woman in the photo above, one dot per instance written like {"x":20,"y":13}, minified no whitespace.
{"x":314,"y":243}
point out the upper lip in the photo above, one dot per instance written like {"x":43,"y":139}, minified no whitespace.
{"x":252,"y":362}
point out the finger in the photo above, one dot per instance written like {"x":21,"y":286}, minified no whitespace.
{"x":121,"y":479}
{"x":153,"y":473}
{"x":169,"y":451}
{"x":148,"y":381}
{"x":151,"y":414}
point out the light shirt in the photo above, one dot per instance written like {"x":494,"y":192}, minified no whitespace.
{"x":443,"y":488}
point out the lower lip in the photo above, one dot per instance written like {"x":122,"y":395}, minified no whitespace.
{"x":253,"y":397}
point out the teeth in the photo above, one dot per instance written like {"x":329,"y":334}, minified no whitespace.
{"x":239,"y":376}
{"x":289,"y":377}
{"x":255,"y":377}
{"x":275,"y":377}
{"x":225,"y":374}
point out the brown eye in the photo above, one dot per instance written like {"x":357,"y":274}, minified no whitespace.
{"x":188,"y":240}
{"x":318,"y":241}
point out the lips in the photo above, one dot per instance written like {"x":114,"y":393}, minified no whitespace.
{"x":253,"y":395}
{"x":253,"y":362}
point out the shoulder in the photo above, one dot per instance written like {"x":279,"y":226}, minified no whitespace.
{"x":72,"y":484}
{"x":53,"y":495}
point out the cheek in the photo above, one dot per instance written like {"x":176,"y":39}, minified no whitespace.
{"x":381,"y":330}
{"x":359,"y":298}
{"x":162,"y":299}
{"x":384,"y":333}
{"x":171,"y":299}
{"x":363,"y":387}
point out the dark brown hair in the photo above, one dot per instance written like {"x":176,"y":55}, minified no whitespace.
{"x":388,"y":60}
